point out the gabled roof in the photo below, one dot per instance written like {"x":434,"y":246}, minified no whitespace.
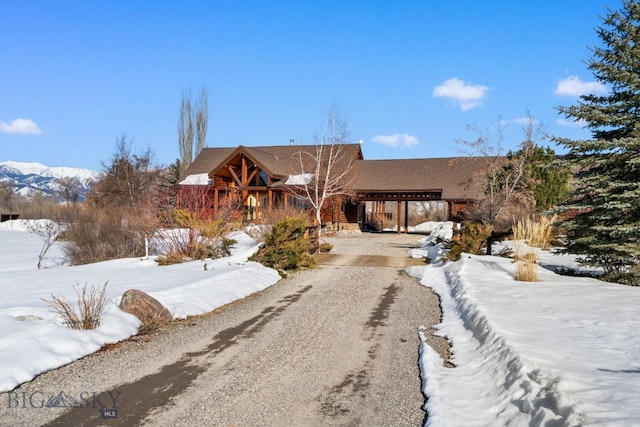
{"x":208,"y":159}
{"x":456,"y":177}
{"x":277,"y":160}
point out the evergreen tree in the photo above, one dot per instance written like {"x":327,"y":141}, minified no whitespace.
{"x":605,"y":225}
{"x":548,"y":179}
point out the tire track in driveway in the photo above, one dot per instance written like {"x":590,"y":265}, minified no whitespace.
{"x":355,"y":384}
{"x":158,"y":389}
{"x":381,"y":312}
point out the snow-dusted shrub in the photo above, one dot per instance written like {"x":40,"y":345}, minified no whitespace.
{"x":286,"y":248}
{"x":472,"y":239}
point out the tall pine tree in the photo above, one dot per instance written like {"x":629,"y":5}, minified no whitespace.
{"x":548,"y":178}
{"x":605,"y":228}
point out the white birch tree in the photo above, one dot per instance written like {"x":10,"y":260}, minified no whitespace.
{"x":323,"y":168}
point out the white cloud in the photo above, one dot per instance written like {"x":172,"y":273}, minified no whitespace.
{"x":523,"y":121}
{"x":573,"y":86}
{"x":20,"y":127}
{"x":574,"y":123}
{"x":403,"y":140}
{"x":464,"y":94}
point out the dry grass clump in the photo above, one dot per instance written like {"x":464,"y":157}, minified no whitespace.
{"x":526,"y":263}
{"x":539,"y":233}
{"x":90,"y":307}
{"x":526,"y":271}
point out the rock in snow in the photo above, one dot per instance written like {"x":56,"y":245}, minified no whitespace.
{"x":146,"y":308}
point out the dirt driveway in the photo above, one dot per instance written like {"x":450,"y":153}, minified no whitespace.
{"x":334,"y":346}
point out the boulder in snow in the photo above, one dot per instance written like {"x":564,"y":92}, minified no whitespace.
{"x":146,"y":308}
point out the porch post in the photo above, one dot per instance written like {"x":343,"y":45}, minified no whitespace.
{"x":257,"y":206}
{"x":406,"y":216}
{"x":399,"y":212}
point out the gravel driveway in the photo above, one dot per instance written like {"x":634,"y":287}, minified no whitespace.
{"x":334,"y":346}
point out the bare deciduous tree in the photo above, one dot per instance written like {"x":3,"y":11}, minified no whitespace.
{"x":185,"y":131}
{"x":7,"y":196}
{"x":48,"y":231}
{"x":129,"y":179}
{"x":505,"y":178}
{"x":192,"y":127}
{"x":202,"y":119}
{"x":324,"y":168}
{"x":69,"y":188}
{"x":121,"y":209}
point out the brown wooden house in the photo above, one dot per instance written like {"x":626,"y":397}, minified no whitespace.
{"x":255,"y":178}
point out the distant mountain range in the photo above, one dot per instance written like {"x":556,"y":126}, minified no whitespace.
{"x":29,"y":178}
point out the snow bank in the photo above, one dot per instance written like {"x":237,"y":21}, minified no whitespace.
{"x":32,"y":336}
{"x":429,"y":247}
{"x":559,"y":352}
{"x":23,"y":224}
{"x":494,"y":384}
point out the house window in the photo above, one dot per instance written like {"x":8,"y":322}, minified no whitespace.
{"x":299,"y":202}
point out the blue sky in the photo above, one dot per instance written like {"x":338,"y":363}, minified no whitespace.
{"x":408,"y":76}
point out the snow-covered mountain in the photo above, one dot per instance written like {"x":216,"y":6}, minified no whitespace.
{"x":28,"y":178}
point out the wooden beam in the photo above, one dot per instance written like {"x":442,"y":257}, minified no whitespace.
{"x":235,"y":175}
{"x":250,"y":177}
{"x":244,"y":172}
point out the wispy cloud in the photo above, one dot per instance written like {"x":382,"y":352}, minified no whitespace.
{"x":574,"y":86}
{"x":20,"y":127}
{"x":403,"y":140}
{"x":466,"y":95}
{"x":518,"y":121}
{"x":572,"y":123}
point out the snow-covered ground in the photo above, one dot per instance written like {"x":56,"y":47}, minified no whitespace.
{"x":563,"y":351}
{"x":32,"y":337}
